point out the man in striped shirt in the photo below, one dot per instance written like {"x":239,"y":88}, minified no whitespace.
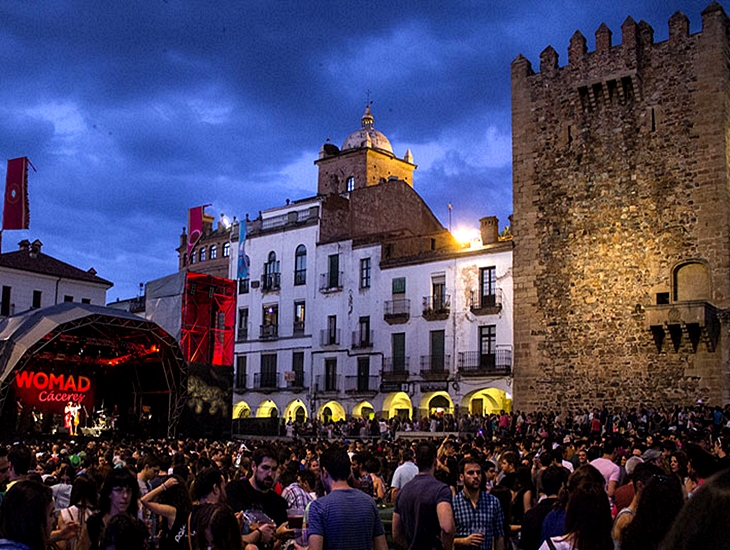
{"x":346,"y":518}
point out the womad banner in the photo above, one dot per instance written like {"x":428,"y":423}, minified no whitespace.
{"x":51,"y":392}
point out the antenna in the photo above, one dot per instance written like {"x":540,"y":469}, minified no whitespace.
{"x":367,"y":96}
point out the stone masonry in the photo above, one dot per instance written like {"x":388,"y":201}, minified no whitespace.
{"x":622,"y":219}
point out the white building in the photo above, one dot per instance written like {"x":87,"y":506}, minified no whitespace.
{"x":358,"y":301}
{"x":30,"y":279}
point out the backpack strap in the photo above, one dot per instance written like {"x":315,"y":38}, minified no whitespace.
{"x":550,"y":543}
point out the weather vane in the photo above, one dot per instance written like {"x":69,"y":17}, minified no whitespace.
{"x":367,"y":94}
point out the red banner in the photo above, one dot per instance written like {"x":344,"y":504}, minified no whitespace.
{"x":16,"y":213}
{"x":195,"y":226}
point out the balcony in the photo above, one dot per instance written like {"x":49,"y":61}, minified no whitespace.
{"x":295,"y":380}
{"x":487,"y":304}
{"x":298,"y":328}
{"x":686,"y":323}
{"x":329,"y":337}
{"x":242,"y":333}
{"x":474,"y":363}
{"x":327,"y":383}
{"x":268,"y":332}
{"x":435,"y":367}
{"x":267,"y":381}
{"x":362,"y":385}
{"x":436,"y":308}
{"x":362,"y":339}
{"x":270,"y":282}
{"x":397,"y":312}
{"x":331,"y":281}
{"x":395,"y":369}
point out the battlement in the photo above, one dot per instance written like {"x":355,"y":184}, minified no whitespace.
{"x":637,"y":45}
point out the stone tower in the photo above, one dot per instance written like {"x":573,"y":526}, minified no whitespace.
{"x":622,"y":218}
{"x":366,"y":159}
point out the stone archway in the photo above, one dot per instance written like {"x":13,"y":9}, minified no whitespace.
{"x":241,"y":410}
{"x":486,"y":401}
{"x":364,"y":409}
{"x":398,"y":404}
{"x":267,"y":409}
{"x":296,"y":411}
{"x":331,"y":411}
{"x":439,"y":402}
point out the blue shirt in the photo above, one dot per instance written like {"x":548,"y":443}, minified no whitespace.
{"x":486,"y":518}
{"x":347,"y":519}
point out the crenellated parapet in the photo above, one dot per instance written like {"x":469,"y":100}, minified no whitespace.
{"x":637,"y":45}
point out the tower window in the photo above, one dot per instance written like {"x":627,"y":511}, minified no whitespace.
{"x":350,"y":183}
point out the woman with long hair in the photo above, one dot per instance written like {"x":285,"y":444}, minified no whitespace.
{"x":171,"y":501}
{"x":83,"y":504}
{"x":660,"y":500}
{"x":119,"y":495}
{"x":26,"y":517}
{"x":587,"y":522}
{"x":702,"y":522}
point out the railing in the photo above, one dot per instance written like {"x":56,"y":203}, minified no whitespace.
{"x":362,"y":384}
{"x":329,"y":337}
{"x":299,"y":216}
{"x":330,"y":281}
{"x":395,"y":368}
{"x":437,"y":304}
{"x":268,"y":332}
{"x":485,"y":303}
{"x":397,"y":310}
{"x":362,"y":339}
{"x":242,"y":332}
{"x":474,"y":363}
{"x":266,"y":380}
{"x":298,"y":328}
{"x":435,"y":366}
{"x":327,"y":383}
{"x":270,"y":281}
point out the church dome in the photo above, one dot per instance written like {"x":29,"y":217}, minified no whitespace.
{"x":367,"y":136}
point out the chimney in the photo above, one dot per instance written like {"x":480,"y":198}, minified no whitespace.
{"x":35,"y":248}
{"x":489,"y":228}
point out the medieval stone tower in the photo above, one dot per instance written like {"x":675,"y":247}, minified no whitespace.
{"x":622,"y":218}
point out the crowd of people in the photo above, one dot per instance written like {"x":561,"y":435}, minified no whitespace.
{"x":644,"y":478}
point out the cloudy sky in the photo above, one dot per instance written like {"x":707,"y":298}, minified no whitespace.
{"x":132,"y":112}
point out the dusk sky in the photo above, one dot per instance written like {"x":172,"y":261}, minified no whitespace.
{"x":132,"y":112}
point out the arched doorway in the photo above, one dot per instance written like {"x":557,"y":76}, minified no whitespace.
{"x":241,"y":410}
{"x":363,"y":409}
{"x":398,"y":404}
{"x":331,"y":411}
{"x":487,"y":401}
{"x":267,"y":409}
{"x":296,"y":411}
{"x":438,"y":402}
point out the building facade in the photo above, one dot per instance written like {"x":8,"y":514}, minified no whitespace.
{"x":358,"y":302}
{"x":622,"y":218}
{"x":30,"y":279}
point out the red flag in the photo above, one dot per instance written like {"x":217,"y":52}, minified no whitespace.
{"x":195,"y":226}
{"x":16,"y":213}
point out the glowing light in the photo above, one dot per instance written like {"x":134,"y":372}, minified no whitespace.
{"x":508,"y":395}
{"x":466,"y":235}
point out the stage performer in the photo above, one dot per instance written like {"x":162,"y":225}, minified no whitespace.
{"x":68,"y":418}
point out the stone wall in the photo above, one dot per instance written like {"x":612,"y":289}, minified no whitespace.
{"x":620,"y":174}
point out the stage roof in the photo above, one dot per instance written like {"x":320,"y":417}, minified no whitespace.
{"x":82,"y":333}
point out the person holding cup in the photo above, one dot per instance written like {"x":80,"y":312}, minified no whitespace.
{"x":477,"y":514}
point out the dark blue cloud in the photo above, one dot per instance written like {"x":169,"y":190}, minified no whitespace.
{"x":135,"y":111}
